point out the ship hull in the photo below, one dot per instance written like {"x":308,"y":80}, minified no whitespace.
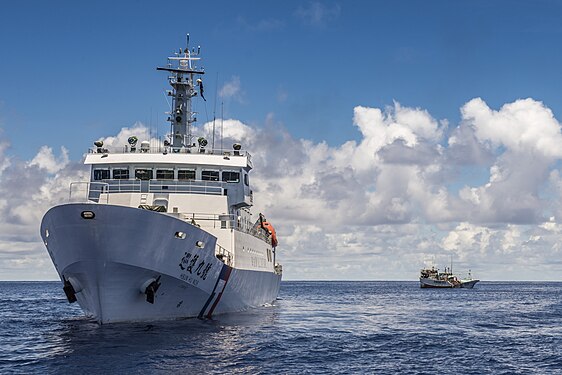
{"x":110,"y":259}
{"x":468,"y":284}
{"x":432,"y":283}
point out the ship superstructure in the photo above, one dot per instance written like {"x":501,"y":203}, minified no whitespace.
{"x":164,"y":230}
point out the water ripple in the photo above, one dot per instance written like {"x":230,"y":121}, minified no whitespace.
{"x":314,"y":328}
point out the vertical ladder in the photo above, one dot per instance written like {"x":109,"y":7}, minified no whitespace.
{"x":143,"y":199}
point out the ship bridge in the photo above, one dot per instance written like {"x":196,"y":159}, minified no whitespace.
{"x":148,"y":176}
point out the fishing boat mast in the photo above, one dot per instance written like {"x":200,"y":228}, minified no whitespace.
{"x":185,"y":80}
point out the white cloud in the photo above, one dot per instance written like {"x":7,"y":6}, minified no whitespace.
{"x":4,"y":159}
{"x":47,"y":161}
{"x":120,"y":141}
{"x":376,"y":208}
{"x":232,"y":89}
{"x":524,"y":126}
{"x":523,"y":136}
{"x":27,"y":190}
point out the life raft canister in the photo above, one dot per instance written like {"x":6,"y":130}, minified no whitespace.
{"x":271,"y":230}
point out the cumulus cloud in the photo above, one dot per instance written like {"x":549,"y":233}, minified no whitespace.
{"x":376,"y":208}
{"x":47,"y":161}
{"x":523,"y":136}
{"x":120,"y":141}
{"x":399,"y":174}
{"x":524,"y":126}
{"x":4,"y":159}
{"x":27,"y":190}
{"x":232,"y":89}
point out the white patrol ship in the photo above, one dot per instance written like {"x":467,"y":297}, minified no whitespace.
{"x":164,"y":232}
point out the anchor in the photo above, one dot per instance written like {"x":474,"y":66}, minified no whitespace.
{"x":150,"y":287}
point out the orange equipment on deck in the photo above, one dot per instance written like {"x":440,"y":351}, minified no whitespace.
{"x":271,"y":230}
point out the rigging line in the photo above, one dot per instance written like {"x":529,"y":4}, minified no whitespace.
{"x":157,"y":135}
{"x":166,"y":97}
{"x":222,"y":122}
{"x":215,"y":108}
{"x":206,"y":114}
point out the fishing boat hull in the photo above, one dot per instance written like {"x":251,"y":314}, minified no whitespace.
{"x":432,"y":283}
{"x":468,"y":284}
{"x":113,"y":259}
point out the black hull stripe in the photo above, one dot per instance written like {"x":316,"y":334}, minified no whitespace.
{"x":224,"y":275}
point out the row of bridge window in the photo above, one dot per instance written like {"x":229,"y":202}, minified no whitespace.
{"x":168,"y":174}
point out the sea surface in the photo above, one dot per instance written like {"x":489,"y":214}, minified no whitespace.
{"x":313,"y":328}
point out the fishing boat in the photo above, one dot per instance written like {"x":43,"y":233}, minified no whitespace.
{"x":468,"y":282}
{"x":433,"y":278}
{"x":164,"y":229}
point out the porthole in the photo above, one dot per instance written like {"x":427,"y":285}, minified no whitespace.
{"x":87,"y":215}
{"x":180,"y":235}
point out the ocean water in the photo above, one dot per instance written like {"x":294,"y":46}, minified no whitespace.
{"x":314,"y":328}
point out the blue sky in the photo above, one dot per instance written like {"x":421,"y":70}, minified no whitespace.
{"x":73,"y":70}
{"x":384,"y":134}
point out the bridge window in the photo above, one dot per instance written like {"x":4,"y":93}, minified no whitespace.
{"x":186,"y":174}
{"x":164,"y":174}
{"x":121,"y":174}
{"x":143,"y":174}
{"x":210,"y":175}
{"x":101,"y":174}
{"x":246,"y":182}
{"x":231,"y":176}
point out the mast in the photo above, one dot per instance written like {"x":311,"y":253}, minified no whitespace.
{"x":184,"y":79}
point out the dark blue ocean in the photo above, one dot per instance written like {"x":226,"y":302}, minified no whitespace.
{"x":314,"y":328}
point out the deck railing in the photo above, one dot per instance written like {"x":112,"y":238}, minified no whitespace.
{"x":225,"y":255}
{"x":166,"y":150}
{"x":88,"y":192}
{"x":151,"y":186}
{"x":193,"y":186}
{"x":123,"y":186}
{"x":215,"y":221}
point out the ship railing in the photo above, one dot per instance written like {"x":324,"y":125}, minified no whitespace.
{"x":164,"y":186}
{"x":253,"y":230}
{"x":81,"y":192}
{"x":192,"y":186}
{"x":123,"y":186}
{"x":167,"y":150}
{"x":224,"y":255}
{"x":216,"y":221}
{"x":206,"y":220}
{"x":256,"y":231}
